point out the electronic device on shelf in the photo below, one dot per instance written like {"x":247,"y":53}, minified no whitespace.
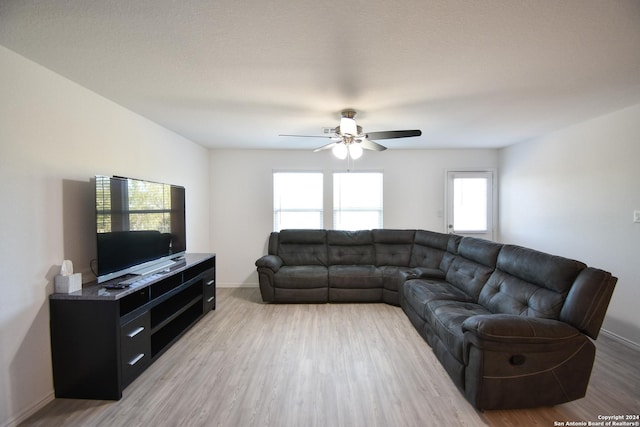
{"x":116,"y":286}
{"x":140,"y":226}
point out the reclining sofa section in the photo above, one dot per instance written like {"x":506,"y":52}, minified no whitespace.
{"x":510,"y":325}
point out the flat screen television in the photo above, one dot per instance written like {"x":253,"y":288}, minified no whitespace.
{"x":140,"y":226}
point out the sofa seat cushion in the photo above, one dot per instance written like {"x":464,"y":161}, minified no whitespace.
{"x":301,"y":277}
{"x":418,"y":292}
{"x":355,"y":277}
{"x":446,"y":318}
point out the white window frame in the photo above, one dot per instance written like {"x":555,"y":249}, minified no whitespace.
{"x":337,"y":209}
{"x":278,"y":210}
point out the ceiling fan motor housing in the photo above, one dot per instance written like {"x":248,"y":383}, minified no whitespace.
{"x":348,"y":113}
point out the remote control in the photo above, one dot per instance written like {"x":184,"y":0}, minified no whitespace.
{"x":117,"y":286}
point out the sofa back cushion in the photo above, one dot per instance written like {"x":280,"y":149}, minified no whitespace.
{"x":529,"y":283}
{"x":471,"y":267}
{"x":428,"y":249}
{"x":452,"y":251}
{"x":393,"y":247}
{"x":350,"y":247}
{"x":303,"y":247}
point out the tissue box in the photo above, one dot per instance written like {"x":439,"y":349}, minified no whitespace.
{"x":68,"y":284}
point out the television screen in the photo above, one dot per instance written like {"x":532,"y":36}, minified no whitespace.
{"x":140,"y":225}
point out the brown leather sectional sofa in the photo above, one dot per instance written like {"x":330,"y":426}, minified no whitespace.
{"x":513,"y":327}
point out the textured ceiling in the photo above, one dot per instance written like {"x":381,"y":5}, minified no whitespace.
{"x":236,"y":73}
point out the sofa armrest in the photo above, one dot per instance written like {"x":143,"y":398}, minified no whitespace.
{"x":514,"y":329}
{"x":272,"y":262}
{"x":424,"y":273}
{"x":516,"y":361}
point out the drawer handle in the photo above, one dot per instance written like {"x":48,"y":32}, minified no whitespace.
{"x":136,"y":359}
{"x":210,"y":299}
{"x":135,"y":332}
{"x":211,"y":282}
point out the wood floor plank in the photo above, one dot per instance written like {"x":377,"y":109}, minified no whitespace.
{"x":255,"y":364}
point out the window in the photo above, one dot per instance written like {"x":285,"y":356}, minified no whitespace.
{"x":297,"y":200}
{"x":470,"y":203}
{"x":357,"y":200}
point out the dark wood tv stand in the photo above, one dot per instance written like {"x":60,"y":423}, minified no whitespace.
{"x":101,"y":340}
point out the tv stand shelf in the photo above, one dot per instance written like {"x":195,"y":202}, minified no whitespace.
{"x":102,"y":339}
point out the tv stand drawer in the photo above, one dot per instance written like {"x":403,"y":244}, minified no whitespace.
{"x":135,"y":347}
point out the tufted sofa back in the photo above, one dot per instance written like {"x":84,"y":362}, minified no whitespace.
{"x":476,"y":260}
{"x":393,"y":247}
{"x":303,"y":247}
{"x":428,"y":249}
{"x":350,"y":247}
{"x":529,"y":283}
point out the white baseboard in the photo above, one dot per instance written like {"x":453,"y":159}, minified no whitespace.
{"x":29,"y":411}
{"x":622,"y":340}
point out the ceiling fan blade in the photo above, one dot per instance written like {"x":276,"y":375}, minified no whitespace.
{"x":308,"y":136}
{"x":325,"y":147}
{"x":370,"y":145}
{"x":389,"y":134}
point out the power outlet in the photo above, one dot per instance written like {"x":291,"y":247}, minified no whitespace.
{"x":636,"y":216}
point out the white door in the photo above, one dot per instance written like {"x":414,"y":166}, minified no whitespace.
{"x":470,"y":203}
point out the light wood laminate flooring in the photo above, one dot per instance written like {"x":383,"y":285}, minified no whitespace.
{"x":255,"y":364}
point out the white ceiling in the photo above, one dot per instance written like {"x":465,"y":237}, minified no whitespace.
{"x":236,"y":73}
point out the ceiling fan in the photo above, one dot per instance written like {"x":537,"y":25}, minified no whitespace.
{"x":349,"y":140}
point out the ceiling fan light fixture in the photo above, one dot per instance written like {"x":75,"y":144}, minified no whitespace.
{"x":348,"y":126}
{"x":340,"y":151}
{"x":355,"y":151}
{"x":348,"y":140}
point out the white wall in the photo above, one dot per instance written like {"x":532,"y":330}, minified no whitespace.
{"x":54,"y":136}
{"x":242,"y":204}
{"x":573,"y":193}
{"x":570,"y":193}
